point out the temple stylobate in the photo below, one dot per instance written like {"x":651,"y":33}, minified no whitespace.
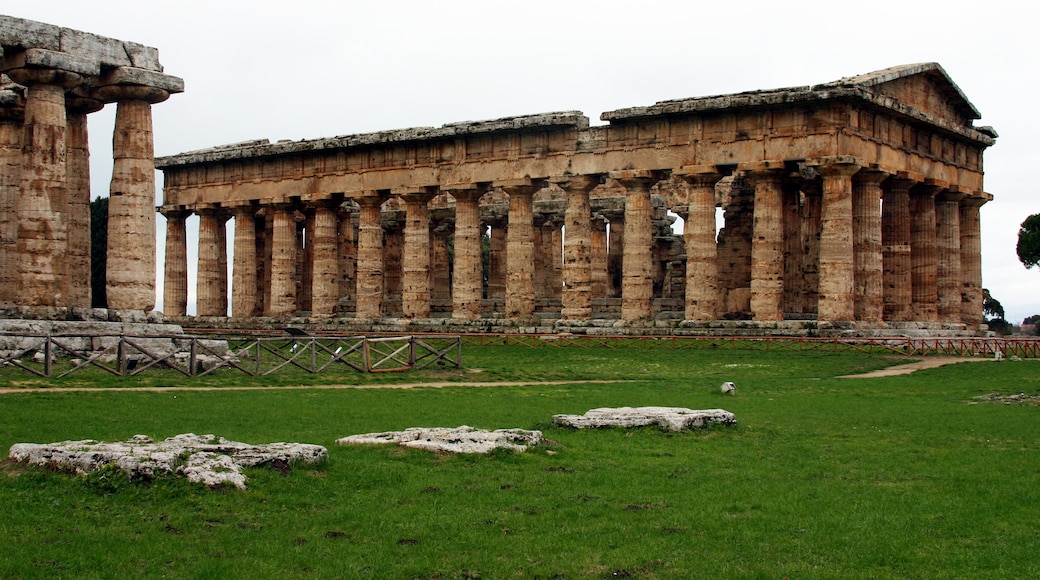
{"x":852,"y":204}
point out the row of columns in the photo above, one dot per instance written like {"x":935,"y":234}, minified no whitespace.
{"x":870,"y":261}
{"x":45,"y":182}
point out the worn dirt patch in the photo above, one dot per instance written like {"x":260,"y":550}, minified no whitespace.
{"x":927,"y":363}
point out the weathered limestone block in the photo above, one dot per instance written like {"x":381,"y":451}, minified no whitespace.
{"x":463,"y":439}
{"x":204,"y":459}
{"x":670,"y":418}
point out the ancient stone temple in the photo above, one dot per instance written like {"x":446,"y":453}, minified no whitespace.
{"x":52,"y":79}
{"x":850,"y":204}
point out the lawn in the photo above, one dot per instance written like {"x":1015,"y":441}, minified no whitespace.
{"x":896,"y":477}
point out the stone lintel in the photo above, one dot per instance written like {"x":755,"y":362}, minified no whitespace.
{"x":697,"y":170}
{"x":126,"y":75}
{"x":523,"y":182}
{"x":39,"y":58}
{"x":415,"y":190}
{"x":761,"y":166}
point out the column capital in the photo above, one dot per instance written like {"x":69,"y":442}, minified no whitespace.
{"x":638,"y":179}
{"x":870,"y":176}
{"x":521,"y":186}
{"x":578,"y":182}
{"x":416,"y":193}
{"x":767,"y":166}
{"x":930,"y":188}
{"x":175,"y":211}
{"x":466,"y":191}
{"x":130,"y":83}
{"x":976,"y":201}
{"x":835,"y":165}
{"x":950,"y":195}
{"x":40,"y":66}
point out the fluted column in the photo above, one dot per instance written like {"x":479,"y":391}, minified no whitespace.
{"x":971,"y":259}
{"x":836,"y":250}
{"x":243,"y":271}
{"x":211,"y":281}
{"x":282,"y":294}
{"x":440,"y":264}
{"x":370,"y":258}
{"x":895,"y":244}
{"x":598,"y":257}
{"x":497,"y":260}
{"x":924,"y":259}
{"x":131,"y":205}
{"x":175,"y":279}
{"x":324,"y":261}
{"x":702,"y":269}
{"x":767,"y":246}
{"x":12,"y":110}
{"x":792,"y":220}
{"x":637,"y":289}
{"x":42,"y":245}
{"x":347,"y":254}
{"x":78,"y":156}
{"x":577,"y":246}
{"x":812,"y":195}
{"x":415,"y":295}
{"x":948,"y":245}
{"x":868,"y":280}
{"x":520,"y":248}
{"x":467,"y":274}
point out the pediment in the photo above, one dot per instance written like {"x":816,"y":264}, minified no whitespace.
{"x":925,"y":86}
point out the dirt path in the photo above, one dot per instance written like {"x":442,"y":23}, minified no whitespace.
{"x":928,"y":363}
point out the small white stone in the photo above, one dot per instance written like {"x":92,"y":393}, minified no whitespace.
{"x":728,"y":388}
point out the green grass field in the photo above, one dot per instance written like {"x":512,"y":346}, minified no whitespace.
{"x":899,"y":477}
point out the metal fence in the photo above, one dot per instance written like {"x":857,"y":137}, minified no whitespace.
{"x":60,"y":355}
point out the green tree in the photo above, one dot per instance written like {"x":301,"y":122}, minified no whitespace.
{"x":1034,"y":319}
{"x":993,"y":311}
{"x":98,"y":251}
{"x":1028,"y":247}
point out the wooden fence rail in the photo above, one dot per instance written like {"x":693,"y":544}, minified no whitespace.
{"x":60,"y":355}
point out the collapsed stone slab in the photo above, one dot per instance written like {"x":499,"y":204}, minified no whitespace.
{"x":206,"y":459}
{"x":463,"y":439}
{"x":670,"y":418}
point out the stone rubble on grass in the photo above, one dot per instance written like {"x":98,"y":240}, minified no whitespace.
{"x":463,"y":439}
{"x":206,"y":459}
{"x":728,"y":388}
{"x":671,"y":418}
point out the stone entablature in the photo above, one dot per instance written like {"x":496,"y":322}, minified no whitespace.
{"x":52,"y":78}
{"x":577,"y":213}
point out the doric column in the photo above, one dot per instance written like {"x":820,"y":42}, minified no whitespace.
{"x":895,"y":244}
{"x":924,"y":259}
{"x":637,"y":289}
{"x":577,"y":253}
{"x":497,"y":259}
{"x":468,"y":271}
{"x":324,"y":258}
{"x":393,"y":262}
{"x":598,"y":257}
{"x":282,"y":293}
{"x":415,"y":294}
{"x":175,"y":279}
{"x":971,"y":259}
{"x":78,"y":155}
{"x":836,"y":250}
{"x":868,"y":280}
{"x":520,"y":247}
{"x":305,"y":259}
{"x":12,"y":110}
{"x":42,"y":206}
{"x":793,"y":254}
{"x":767,"y":245}
{"x":948,"y":245}
{"x":211,"y":282}
{"x":812,"y":196}
{"x":347,"y":253}
{"x":370,"y":257}
{"x":702,"y":269}
{"x":131,"y":203}
{"x":244,"y":282}
{"x":440,"y":263}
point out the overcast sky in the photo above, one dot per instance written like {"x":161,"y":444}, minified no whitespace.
{"x":306,"y":69}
